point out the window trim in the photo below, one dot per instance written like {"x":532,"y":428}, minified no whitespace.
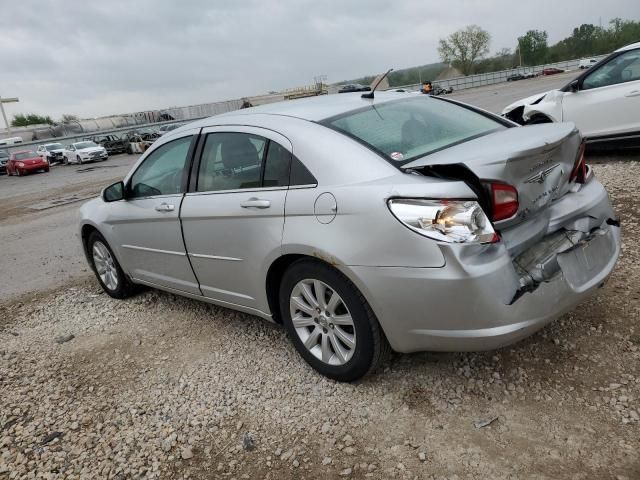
{"x":195,"y":136}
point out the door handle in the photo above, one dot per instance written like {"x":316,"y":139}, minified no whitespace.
{"x":633,"y":93}
{"x":165,"y":207}
{"x":254,"y":202}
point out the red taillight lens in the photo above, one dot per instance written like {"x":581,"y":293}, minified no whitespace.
{"x":579,"y":173}
{"x":504,"y":199}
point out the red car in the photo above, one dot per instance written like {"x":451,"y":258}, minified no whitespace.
{"x":26,"y":161}
{"x":552,"y":71}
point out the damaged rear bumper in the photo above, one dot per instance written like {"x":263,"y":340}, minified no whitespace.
{"x":486,"y":297}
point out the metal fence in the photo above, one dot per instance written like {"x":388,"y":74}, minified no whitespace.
{"x":490,"y":78}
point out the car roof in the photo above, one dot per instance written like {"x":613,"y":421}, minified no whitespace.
{"x":313,"y":109}
{"x":22,"y":151}
{"x":629,"y":47}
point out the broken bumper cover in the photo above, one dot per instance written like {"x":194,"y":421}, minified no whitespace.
{"x":469,"y":304}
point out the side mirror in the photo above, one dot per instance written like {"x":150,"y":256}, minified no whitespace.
{"x":574,"y":86}
{"x":114,"y":192}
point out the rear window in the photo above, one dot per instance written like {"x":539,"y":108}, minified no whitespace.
{"x":404,"y":130}
{"x":25,"y":155}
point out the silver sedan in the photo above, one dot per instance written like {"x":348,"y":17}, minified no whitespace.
{"x":403,"y":222}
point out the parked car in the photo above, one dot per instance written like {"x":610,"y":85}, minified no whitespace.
{"x":113,"y":144}
{"x":404,"y":220}
{"x":4,"y":158}
{"x":440,"y":90}
{"x":52,"y":152}
{"x":354,"y":87}
{"x":603,"y":101}
{"x":168,"y":128}
{"x":515,"y":77}
{"x":551,"y":71}
{"x":587,"y":63}
{"x":85,"y":151}
{"x":26,"y":161}
{"x":10,"y":141}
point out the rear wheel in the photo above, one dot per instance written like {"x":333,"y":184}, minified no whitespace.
{"x":107,"y":269}
{"x":329,"y":322}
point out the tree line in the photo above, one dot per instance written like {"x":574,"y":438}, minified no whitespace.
{"x":467,"y":49}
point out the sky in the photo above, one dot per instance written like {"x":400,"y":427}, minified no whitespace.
{"x":92,"y":58}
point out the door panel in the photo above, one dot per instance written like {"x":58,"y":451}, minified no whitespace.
{"x":228,"y":243}
{"x":605,"y":110}
{"x":233,"y":235}
{"x":146,"y":225}
{"x":150,"y":242}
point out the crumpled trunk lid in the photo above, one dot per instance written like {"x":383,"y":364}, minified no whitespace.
{"x":537,"y":160}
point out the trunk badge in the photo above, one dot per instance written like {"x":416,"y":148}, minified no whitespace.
{"x":541,"y":176}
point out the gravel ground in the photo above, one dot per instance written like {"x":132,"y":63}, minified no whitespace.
{"x":159,"y":386}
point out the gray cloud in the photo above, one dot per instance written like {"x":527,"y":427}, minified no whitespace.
{"x":97,"y":58}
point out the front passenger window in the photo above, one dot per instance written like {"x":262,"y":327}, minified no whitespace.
{"x":623,"y":68}
{"x":162,"y":171}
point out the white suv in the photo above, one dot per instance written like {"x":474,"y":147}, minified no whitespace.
{"x":603,"y":102}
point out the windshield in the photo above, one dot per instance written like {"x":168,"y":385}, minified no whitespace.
{"x":25,"y":155}
{"x":404,"y":130}
{"x":53,"y":146}
{"x":81,"y":145}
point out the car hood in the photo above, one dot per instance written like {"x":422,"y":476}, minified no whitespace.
{"x":533,"y":99}
{"x":537,"y":160}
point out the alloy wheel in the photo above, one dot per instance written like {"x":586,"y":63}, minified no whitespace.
{"x":105,"y":265}
{"x":322,"y":321}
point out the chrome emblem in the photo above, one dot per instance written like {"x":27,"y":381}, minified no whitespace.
{"x":541,"y":176}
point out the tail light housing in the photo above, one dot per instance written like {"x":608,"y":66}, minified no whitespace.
{"x":504,"y":201}
{"x":579,"y":172}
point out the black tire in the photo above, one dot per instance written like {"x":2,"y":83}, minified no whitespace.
{"x":65,"y":161}
{"x":79,"y":159}
{"x":124,"y":287}
{"x":537,"y":120}
{"x":371,"y":348}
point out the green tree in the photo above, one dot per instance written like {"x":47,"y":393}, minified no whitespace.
{"x":68,"y":118}
{"x":464,"y":47}
{"x":533,"y":47}
{"x":22,"y":120}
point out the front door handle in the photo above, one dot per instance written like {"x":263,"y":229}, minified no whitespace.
{"x":633,"y":93}
{"x":254,"y":202}
{"x":165,"y":207}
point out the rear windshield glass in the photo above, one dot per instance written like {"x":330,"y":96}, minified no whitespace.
{"x":25,"y":155}
{"x":404,"y":130}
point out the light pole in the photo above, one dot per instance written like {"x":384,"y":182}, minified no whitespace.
{"x":4,"y":115}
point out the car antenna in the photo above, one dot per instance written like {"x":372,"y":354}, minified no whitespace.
{"x":370,"y":94}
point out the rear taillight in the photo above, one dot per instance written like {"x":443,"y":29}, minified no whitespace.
{"x":579,"y":172}
{"x":504,"y":200}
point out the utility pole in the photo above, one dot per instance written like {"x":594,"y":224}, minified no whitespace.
{"x":4,"y":115}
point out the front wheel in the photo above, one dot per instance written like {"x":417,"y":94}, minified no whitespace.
{"x":107,"y":269}
{"x":329,"y":321}
{"x":79,"y":160}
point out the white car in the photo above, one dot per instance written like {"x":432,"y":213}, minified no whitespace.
{"x":51,"y":152}
{"x":587,"y":63}
{"x":86,"y":151}
{"x":603,"y":102}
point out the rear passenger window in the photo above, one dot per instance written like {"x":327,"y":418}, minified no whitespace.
{"x":231,"y":161}
{"x":276,"y":169}
{"x":300,"y":175}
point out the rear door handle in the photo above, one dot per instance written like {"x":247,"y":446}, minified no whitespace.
{"x":633,"y":93}
{"x":256,"y":203}
{"x":165,"y":207}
